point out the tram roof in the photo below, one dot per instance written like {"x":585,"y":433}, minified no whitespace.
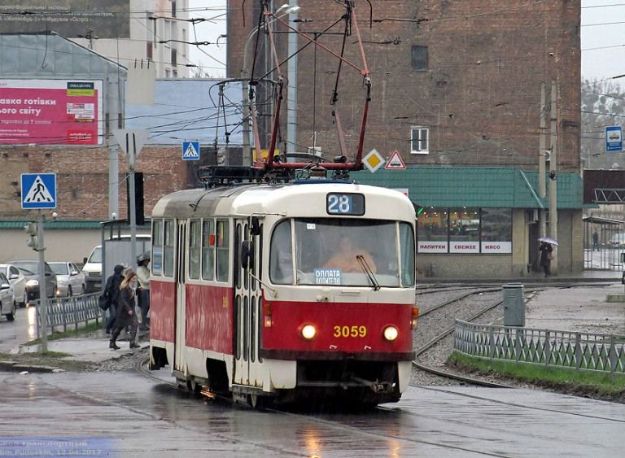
{"x":291,"y":199}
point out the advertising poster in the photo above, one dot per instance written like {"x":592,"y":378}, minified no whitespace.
{"x":68,"y":18}
{"x":51,"y":112}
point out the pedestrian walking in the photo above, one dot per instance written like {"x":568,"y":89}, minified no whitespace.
{"x":545,"y":257}
{"x":126,"y":315}
{"x":595,"y":241}
{"x":143,"y":292}
{"x":111,"y":295}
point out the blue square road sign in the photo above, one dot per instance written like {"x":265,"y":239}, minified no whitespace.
{"x":191,"y":151}
{"x":38,"y":190}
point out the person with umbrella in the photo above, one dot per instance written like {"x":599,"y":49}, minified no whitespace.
{"x":546,"y":255}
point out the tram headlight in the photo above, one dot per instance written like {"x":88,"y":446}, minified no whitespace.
{"x":309,"y":332}
{"x":390,"y":333}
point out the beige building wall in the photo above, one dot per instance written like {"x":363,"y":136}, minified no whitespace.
{"x":61,"y":244}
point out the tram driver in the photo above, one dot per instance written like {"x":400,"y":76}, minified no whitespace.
{"x":345,"y":257}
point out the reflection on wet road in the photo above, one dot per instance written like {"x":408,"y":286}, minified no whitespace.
{"x":23,"y":329}
{"x":144,"y":417}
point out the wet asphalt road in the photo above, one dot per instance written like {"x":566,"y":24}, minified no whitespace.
{"x":14,"y":333}
{"x":127,"y":414}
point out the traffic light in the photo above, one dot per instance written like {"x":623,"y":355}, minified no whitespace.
{"x":33,"y":241}
{"x":139,"y":216}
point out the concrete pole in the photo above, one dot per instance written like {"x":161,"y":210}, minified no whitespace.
{"x":542,"y":141}
{"x":132,"y":212}
{"x":291,"y":101}
{"x":43,"y":296}
{"x":553,"y":169}
{"x":113,"y":181}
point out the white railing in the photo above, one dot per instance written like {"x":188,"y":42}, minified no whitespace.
{"x":578,"y":350}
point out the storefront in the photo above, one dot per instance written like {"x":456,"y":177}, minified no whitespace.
{"x":482,"y":222}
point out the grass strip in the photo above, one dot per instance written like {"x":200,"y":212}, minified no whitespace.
{"x":574,"y":381}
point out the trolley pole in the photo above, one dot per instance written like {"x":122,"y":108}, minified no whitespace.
{"x":43,"y":296}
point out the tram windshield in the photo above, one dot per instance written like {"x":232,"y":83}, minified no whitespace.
{"x":342,"y":252}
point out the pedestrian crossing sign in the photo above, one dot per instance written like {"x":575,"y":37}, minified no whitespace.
{"x":38,"y":190}
{"x":190,"y":151}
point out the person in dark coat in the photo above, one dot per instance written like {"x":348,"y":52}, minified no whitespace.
{"x":126,"y":315}
{"x":111,"y":292}
{"x":545,"y":257}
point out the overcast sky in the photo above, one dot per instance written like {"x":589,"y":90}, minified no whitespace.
{"x":603,"y":38}
{"x":602,"y":34}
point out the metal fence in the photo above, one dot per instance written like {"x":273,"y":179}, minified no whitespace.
{"x":578,"y":350}
{"x":64,"y":312}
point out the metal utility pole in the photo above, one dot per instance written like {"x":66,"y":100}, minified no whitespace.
{"x":43,"y":296}
{"x":553,"y":169}
{"x":291,"y":101}
{"x":542,"y":141}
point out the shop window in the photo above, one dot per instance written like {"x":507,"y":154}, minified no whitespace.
{"x":464,"y":230}
{"x":432,"y":231}
{"x":419,"y":139}
{"x":496,"y":230}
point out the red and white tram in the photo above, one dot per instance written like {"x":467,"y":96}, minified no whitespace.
{"x":248,"y":299}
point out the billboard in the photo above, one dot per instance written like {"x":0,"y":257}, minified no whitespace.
{"x":51,"y":112}
{"x":68,"y":18}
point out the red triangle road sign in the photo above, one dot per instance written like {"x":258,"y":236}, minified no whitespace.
{"x":395,"y":162}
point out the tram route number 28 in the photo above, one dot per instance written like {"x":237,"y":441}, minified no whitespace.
{"x":345,"y":204}
{"x":350,"y":331}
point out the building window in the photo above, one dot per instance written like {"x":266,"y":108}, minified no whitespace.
{"x":148,"y":51}
{"x":419,"y":57}
{"x":419,"y":140}
{"x":174,"y":56}
{"x":173,"y":9}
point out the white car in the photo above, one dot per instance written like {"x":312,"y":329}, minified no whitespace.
{"x":70,"y":281}
{"x":17,"y":280}
{"x":7,"y":304}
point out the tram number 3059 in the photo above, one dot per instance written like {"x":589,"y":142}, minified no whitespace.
{"x":350,"y":331}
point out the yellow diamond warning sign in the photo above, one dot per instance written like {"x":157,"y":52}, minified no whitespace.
{"x":395,"y":162}
{"x":373,"y":160}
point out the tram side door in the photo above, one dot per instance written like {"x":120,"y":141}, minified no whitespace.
{"x":180,"y":328}
{"x":247,"y":305}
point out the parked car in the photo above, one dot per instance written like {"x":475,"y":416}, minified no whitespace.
{"x":92,"y":270}
{"x":30,"y":269}
{"x":17,"y":280}
{"x":7,"y":304}
{"x":70,"y":280}
{"x":618,"y":240}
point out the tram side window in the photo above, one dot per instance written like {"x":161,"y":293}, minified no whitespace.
{"x":223,"y":249}
{"x":194,"y":250}
{"x":281,"y":255}
{"x":157,"y":247}
{"x":208,"y":250}
{"x":407,"y":254}
{"x":168,"y":249}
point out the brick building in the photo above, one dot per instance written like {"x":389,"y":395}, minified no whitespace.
{"x":456,"y":91}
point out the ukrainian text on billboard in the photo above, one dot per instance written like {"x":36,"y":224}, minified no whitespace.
{"x":51,"y":112}
{"x":68,"y":18}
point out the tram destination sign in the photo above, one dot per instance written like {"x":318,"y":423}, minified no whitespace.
{"x":345,"y":203}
